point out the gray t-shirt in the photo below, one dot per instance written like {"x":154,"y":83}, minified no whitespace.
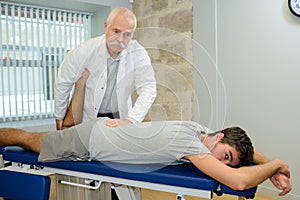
{"x":164,"y":142}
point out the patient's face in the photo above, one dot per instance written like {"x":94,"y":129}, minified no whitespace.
{"x":226,"y":154}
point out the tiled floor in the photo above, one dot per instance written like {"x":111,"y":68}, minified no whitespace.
{"x":150,"y":195}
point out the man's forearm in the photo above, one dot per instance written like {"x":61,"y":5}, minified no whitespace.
{"x":258,"y":174}
{"x":259,"y":158}
{"x":142,"y":106}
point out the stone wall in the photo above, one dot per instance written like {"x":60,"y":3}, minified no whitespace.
{"x":165,"y":30}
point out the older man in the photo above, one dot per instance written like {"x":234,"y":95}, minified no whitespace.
{"x":118,"y":67}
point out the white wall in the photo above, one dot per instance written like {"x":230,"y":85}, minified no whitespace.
{"x":98,"y":20}
{"x":100,"y":16}
{"x":258,"y":57}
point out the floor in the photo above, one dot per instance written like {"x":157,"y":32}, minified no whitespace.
{"x":150,"y":195}
{"x":156,"y":195}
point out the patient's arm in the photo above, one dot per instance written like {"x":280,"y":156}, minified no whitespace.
{"x":259,"y":158}
{"x":239,"y":178}
{"x":279,"y":180}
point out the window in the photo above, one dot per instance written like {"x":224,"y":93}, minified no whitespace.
{"x":33,"y":43}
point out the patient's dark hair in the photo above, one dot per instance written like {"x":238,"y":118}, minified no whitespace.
{"x":237,"y":137}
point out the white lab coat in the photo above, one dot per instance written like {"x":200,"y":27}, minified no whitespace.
{"x":135,"y":73}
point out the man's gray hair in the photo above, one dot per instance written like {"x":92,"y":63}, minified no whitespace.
{"x":122,"y":11}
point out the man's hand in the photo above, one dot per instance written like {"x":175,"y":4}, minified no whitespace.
{"x":116,"y":123}
{"x":281,"y":179}
{"x":59,"y":124}
{"x":281,"y":182}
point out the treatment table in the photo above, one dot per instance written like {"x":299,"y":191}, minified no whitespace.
{"x":182,"y":179}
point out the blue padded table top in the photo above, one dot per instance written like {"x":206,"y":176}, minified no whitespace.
{"x":184,"y":175}
{"x":1,"y":149}
{"x":249,"y":193}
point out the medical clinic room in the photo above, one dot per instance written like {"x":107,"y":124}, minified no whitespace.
{"x":149,"y":100}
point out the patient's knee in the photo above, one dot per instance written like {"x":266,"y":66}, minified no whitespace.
{"x":33,"y":141}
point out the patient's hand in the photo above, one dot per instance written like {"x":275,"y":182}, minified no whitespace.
{"x":116,"y":123}
{"x":281,"y":182}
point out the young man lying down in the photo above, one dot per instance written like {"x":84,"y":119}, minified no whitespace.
{"x":223,"y":155}
{"x":165,"y":142}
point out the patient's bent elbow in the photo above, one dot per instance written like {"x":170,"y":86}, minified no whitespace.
{"x":240,"y":185}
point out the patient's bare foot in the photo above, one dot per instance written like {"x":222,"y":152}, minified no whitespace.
{"x":82,"y":80}
{"x":85,"y":74}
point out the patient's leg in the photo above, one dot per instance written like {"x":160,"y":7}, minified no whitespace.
{"x":75,"y":110}
{"x":18,"y":137}
{"x":33,"y":141}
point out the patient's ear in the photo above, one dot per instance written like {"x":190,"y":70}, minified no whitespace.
{"x":219,"y":136}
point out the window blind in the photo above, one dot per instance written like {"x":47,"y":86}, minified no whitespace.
{"x":33,"y":43}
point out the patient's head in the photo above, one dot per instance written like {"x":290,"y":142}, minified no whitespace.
{"x":238,"y":138}
{"x":233,"y":147}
